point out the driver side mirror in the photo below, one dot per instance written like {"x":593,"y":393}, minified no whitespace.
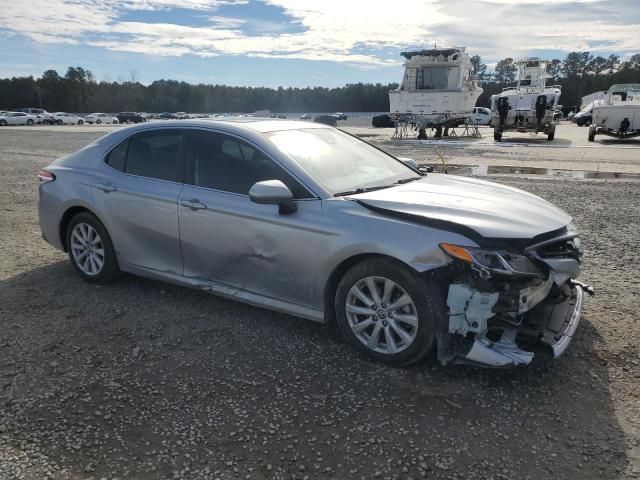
{"x":273,"y":192}
{"x":409,"y":162}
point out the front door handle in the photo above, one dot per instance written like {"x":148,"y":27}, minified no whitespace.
{"x":106,"y":187}
{"x":193,"y":204}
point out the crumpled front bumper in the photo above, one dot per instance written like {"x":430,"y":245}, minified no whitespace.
{"x":506,"y":353}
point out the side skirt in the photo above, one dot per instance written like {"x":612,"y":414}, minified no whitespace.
{"x":231,"y":293}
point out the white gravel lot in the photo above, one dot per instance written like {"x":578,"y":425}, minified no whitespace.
{"x":144,"y":380}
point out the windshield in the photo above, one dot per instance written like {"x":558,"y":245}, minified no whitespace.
{"x":338,"y":161}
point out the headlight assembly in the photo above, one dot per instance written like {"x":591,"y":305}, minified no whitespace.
{"x":490,"y":261}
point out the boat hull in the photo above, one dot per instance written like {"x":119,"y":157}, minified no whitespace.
{"x":611,"y":117}
{"x":434,"y":104}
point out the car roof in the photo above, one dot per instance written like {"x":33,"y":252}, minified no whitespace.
{"x":261,"y":125}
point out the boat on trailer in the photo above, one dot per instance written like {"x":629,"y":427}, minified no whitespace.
{"x":438,"y":89}
{"x":618,"y":114}
{"x":530,"y":105}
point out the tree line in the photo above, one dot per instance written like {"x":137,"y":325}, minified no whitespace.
{"x":579,"y":74}
{"x":78,"y":91}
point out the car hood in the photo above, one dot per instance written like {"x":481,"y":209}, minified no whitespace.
{"x":489,"y":209}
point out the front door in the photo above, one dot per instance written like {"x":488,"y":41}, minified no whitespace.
{"x":229,"y":239}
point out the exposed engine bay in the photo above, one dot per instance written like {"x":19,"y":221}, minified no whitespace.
{"x":508,"y":308}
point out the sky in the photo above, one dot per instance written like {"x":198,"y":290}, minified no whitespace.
{"x":296,"y":43}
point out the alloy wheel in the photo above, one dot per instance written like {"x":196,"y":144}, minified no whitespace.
{"x":87,"y":249}
{"x":381,"y":315}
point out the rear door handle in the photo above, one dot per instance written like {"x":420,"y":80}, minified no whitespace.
{"x":193,"y":204}
{"x":106,"y":187}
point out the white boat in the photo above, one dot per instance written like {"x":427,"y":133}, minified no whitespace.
{"x":530,"y":105}
{"x":437,"y":89}
{"x":618,"y":115}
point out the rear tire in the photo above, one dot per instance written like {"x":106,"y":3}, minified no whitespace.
{"x":59,"y":122}
{"x":29,"y":122}
{"x":384,"y":336}
{"x":592,"y":135}
{"x":90,"y":250}
{"x":115,"y":122}
{"x":497,"y":136}
{"x":98,"y":122}
{"x":3,"y":123}
{"x":80,"y":122}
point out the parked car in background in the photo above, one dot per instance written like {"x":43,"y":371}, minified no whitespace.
{"x":331,"y":120}
{"x":101,"y":118}
{"x":382,"y":121}
{"x":311,"y":221}
{"x":340,"y":116}
{"x":583,"y":119}
{"x":182,"y":115}
{"x":42,"y":116}
{"x":63,"y":118}
{"x":18,"y":118}
{"x":167,"y":116}
{"x":481,"y":116}
{"x":305,"y":116}
{"x":130,"y":117}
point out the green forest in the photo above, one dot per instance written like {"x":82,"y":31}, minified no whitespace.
{"x":78,"y":91}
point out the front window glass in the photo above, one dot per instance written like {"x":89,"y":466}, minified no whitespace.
{"x":221,"y":162}
{"x":339,"y":161}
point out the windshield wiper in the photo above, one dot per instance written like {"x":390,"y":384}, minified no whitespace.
{"x":360,"y":190}
{"x":378,"y":187}
{"x":407,"y":180}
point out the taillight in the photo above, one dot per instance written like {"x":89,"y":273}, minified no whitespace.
{"x":45,"y":177}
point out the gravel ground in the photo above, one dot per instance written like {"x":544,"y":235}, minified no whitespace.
{"x":145,"y":380}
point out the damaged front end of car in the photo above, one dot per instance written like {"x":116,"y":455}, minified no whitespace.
{"x":510,"y":308}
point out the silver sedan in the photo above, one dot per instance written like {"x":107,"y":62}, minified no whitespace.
{"x":308,"y":220}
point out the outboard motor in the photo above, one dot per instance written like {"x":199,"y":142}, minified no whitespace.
{"x":624,"y":125}
{"x":503,"y":109}
{"x":541,"y":108}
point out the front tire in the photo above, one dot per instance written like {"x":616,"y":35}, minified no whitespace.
{"x":29,"y":122}
{"x":90,"y":249}
{"x":98,"y":122}
{"x":80,"y":122}
{"x":3,"y":123}
{"x":385,"y":310}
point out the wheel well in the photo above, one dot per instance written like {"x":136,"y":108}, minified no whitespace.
{"x":338,"y":273}
{"x":64,"y":223}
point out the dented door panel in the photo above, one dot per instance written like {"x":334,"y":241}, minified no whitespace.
{"x":251,"y":246}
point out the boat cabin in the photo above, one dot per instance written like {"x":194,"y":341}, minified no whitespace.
{"x":436,"y":70}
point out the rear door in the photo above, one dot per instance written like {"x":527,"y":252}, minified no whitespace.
{"x":229,"y":239}
{"x":138,"y":196}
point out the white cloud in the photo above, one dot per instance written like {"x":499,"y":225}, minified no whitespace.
{"x":351,"y":32}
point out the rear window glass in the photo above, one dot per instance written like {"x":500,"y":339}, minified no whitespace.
{"x":117,"y":156}
{"x":156,"y":155}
